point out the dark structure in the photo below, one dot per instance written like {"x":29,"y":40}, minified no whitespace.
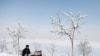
{"x":37,"y":53}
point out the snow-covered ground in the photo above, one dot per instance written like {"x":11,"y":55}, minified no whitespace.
{"x":62,"y":47}
{"x":6,"y":54}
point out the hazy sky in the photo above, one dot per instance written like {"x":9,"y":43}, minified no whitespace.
{"x":35,"y":14}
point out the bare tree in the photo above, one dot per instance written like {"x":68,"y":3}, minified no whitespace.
{"x":52,"y":49}
{"x":84,"y":48}
{"x":3,"y":45}
{"x":16,"y":35}
{"x":68,"y":28}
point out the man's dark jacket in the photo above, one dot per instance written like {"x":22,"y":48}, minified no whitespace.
{"x":25,"y":52}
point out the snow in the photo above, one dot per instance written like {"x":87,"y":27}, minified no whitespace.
{"x":62,"y":47}
{"x":6,"y":54}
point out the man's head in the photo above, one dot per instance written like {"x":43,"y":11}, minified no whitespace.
{"x":27,"y":46}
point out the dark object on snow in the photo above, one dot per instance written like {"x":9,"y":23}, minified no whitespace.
{"x":37,"y":53}
{"x":26,"y":51}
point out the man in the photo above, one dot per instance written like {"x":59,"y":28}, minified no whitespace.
{"x":26,"y":51}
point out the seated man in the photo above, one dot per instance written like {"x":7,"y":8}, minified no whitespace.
{"x":26,"y":51}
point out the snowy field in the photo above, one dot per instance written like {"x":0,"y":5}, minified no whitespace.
{"x":60,"y":47}
{"x":5,"y":54}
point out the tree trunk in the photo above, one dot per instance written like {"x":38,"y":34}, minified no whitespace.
{"x":83,"y":54}
{"x":72,"y":47}
{"x":18,"y":47}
